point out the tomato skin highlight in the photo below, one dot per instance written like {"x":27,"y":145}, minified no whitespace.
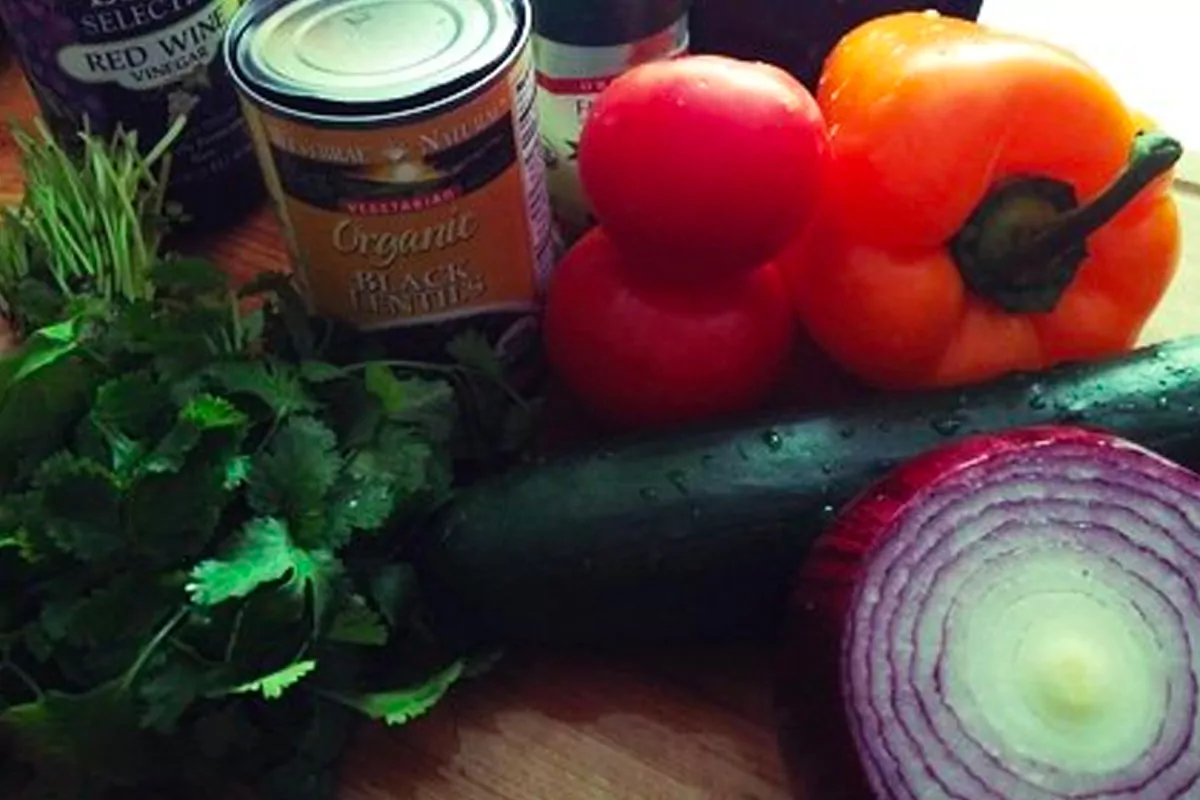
{"x":640,"y":352}
{"x":705,"y":164}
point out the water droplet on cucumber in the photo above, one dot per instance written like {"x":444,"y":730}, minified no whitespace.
{"x":947,"y":426}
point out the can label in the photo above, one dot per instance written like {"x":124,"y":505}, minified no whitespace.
{"x":139,"y":64}
{"x":569,"y":79}
{"x":415,"y":222}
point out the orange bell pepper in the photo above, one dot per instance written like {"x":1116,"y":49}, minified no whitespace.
{"x":992,"y":206}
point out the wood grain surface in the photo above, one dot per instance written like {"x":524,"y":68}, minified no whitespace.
{"x":669,"y":726}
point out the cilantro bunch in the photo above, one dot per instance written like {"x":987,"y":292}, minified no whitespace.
{"x":206,"y":519}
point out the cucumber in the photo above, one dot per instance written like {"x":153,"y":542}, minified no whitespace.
{"x":695,"y":535}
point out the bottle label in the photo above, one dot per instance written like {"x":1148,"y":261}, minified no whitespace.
{"x":569,"y":79}
{"x":139,"y":64}
{"x":155,"y":58}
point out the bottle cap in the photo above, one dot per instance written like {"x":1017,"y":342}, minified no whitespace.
{"x":602,"y":23}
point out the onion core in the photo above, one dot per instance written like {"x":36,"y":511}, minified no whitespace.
{"x":1021,"y":621}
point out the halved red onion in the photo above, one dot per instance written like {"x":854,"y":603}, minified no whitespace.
{"x":1013,"y":617}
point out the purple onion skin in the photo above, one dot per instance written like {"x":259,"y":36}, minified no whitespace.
{"x":816,"y":742}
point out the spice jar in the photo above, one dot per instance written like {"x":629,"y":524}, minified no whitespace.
{"x":580,"y":46}
{"x":797,"y":34}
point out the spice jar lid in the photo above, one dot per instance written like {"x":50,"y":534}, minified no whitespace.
{"x":601,"y":23}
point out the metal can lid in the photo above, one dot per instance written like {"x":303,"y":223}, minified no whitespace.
{"x":602,"y":23}
{"x":371,"y":51}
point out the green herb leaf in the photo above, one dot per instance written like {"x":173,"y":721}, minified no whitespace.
{"x":382,"y":383}
{"x":170,"y":692}
{"x":40,"y":349}
{"x":261,"y":554}
{"x":402,"y":705}
{"x":134,"y":404}
{"x":81,"y":506}
{"x":237,"y":472}
{"x":294,"y":474}
{"x":273,"y":686}
{"x":35,"y":414}
{"x":202,"y":504}
{"x":365,"y":498}
{"x":471,"y":349}
{"x":358,"y":624}
{"x":208,"y":412}
{"x":94,"y":733}
{"x":278,"y":386}
{"x":428,"y":403}
{"x":320,"y":372}
{"x":190,"y":277}
{"x":394,"y":590}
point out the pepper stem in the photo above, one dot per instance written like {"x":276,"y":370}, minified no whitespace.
{"x":1026,"y":241}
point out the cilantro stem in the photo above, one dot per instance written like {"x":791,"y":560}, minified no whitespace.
{"x":152,"y":647}
{"x":442,"y":369}
{"x":192,"y":652}
{"x":234,"y":633}
{"x":239,"y":332}
{"x":24,"y":677}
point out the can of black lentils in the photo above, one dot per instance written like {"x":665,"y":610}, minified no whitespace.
{"x":138,"y":65}
{"x":399,"y":141}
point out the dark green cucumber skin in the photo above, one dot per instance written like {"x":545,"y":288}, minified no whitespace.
{"x":694,"y":536}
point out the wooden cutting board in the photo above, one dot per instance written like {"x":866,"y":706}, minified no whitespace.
{"x":679,"y":725}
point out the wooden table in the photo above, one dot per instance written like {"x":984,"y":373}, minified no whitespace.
{"x":670,"y":726}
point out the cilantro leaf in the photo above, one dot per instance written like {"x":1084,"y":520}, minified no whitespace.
{"x":189,"y":277}
{"x":134,"y":404}
{"x":273,"y":686}
{"x":363,"y":500}
{"x":472,"y":350}
{"x":42,"y":348}
{"x":320,"y":372}
{"x":262,"y":553}
{"x":316,"y":575}
{"x":35,"y":414}
{"x":358,"y":624}
{"x":202,"y":413}
{"x":402,"y":705}
{"x":276,"y":385}
{"x":170,"y":692}
{"x":127,"y":607}
{"x":81,"y":509}
{"x":237,"y":472}
{"x":394,"y":588}
{"x":208,"y":412}
{"x":94,"y":733}
{"x":177,"y":503}
{"x":405,"y":456}
{"x":429,"y":403}
{"x":294,"y":474}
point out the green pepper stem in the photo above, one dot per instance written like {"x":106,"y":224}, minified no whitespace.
{"x":1152,"y":155}
{"x":1024,"y":244}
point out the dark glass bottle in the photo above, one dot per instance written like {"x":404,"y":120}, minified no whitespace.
{"x":796,"y":34}
{"x":137,"y":64}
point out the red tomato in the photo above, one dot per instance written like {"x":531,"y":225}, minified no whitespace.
{"x":641,"y":352}
{"x":707,"y":164}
